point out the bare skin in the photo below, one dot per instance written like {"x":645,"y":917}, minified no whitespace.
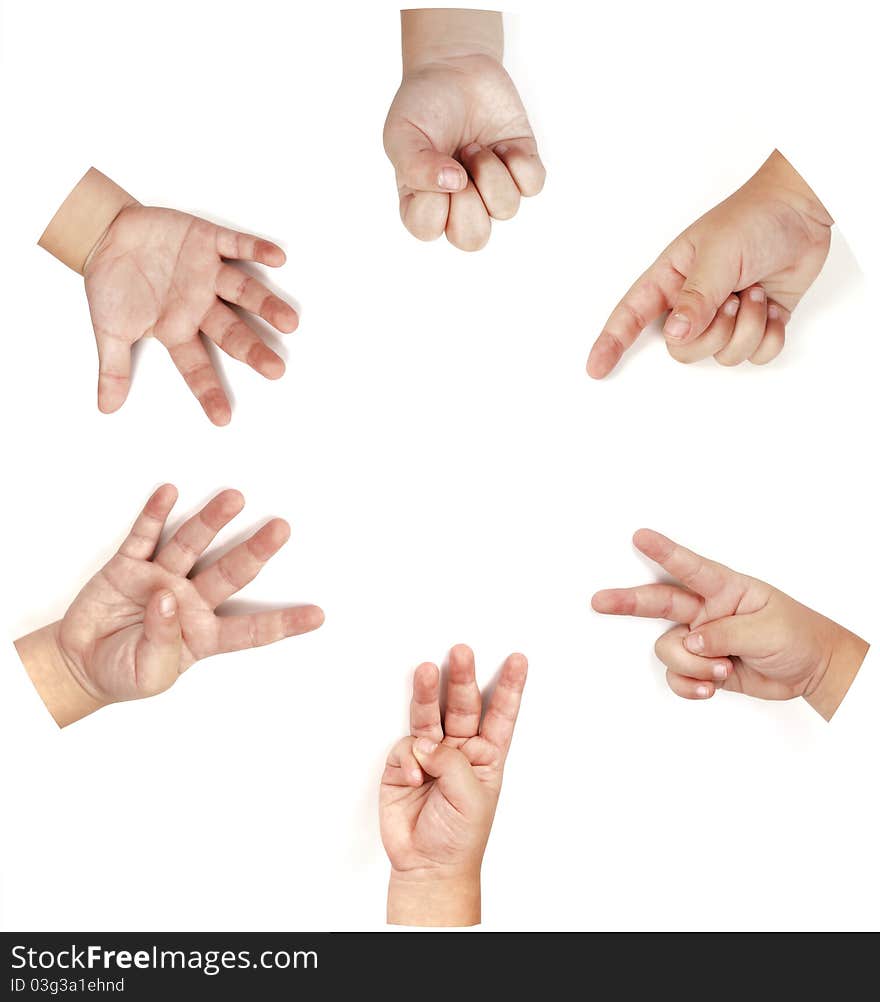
{"x":440,"y":789}
{"x":143,"y":619}
{"x":165,"y":274}
{"x":737,"y":633}
{"x":731,"y":280}
{"x":457,"y":133}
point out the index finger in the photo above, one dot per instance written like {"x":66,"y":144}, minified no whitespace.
{"x":651,"y":295}
{"x":705,"y":577}
{"x":501,"y":716}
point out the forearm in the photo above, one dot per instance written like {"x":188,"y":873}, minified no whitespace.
{"x":431,"y":35}
{"x":50,"y":673}
{"x":434,"y":900}
{"x":845,"y":659}
{"x":83,"y":219}
{"x":779,"y":175}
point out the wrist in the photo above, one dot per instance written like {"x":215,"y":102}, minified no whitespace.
{"x":50,"y":672}
{"x":438,"y":897}
{"x":845,"y":655}
{"x":432,"y":36}
{"x":84,"y":218}
{"x":786,"y":184}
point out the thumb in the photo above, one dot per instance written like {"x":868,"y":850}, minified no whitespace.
{"x":114,"y":373}
{"x":158,"y":651}
{"x":706,"y":288}
{"x":449,"y":766}
{"x":419,"y":166}
{"x":741,"y":636}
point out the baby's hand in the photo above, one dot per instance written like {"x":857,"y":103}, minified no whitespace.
{"x":165,"y":273}
{"x":457,"y":133}
{"x":162,"y":273}
{"x":440,"y":789}
{"x":740,"y":633}
{"x":146,"y":617}
{"x":732,"y":279}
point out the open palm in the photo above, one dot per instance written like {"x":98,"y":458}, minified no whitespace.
{"x":462,"y":148}
{"x":162,"y":273}
{"x":441,"y":784}
{"x":742,"y":634}
{"x":141,"y":621}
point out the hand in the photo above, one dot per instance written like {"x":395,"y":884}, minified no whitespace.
{"x":440,"y":789}
{"x":731,"y":279}
{"x":741,"y":634}
{"x":162,"y":273}
{"x":141,"y":621}
{"x":457,"y":133}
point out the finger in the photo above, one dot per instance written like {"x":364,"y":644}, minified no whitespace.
{"x":774,"y":335}
{"x":243,"y":247}
{"x":114,"y":373}
{"x":671,"y":651}
{"x":418,"y":165}
{"x":749,"y":329}
{"x":504,"y":705}
{"x":191,"y":540}
{"x":653,"y":601}
{"x":194,"y":364}
{"x":463,"y":703}
{"x":401,"y":767}
{"x":424,"y":213}
{"x":222,"y":579}
{"x":424,"y":710}
{"x":712,"y":340}
{"x":455,"y":776}
{"x":157,"y":657}
{"x":141,"y":541}
{"x":497,"y":188}
{"x":705,"y":577}
{"x":739,"y":636}
{"x":645,"y":301}
{"x":230,"y":333}
{"x":239,"y":633}
{"x":235,"y":286}
{"x":520,"y":157}
{"x":689,"y":688}
{"x":707,"y":286}
{"x":468,"y":226}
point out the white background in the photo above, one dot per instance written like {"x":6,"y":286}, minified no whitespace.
{"x":450,"y":473}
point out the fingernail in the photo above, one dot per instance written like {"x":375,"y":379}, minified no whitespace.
{"x":677,"y":326}
{"x":167,"y":604}
{"x":450,"y":179}
{"x":694,"y":643}
{"x":425,"y":746}
{"x":731,"y":307}
{"x":757,"y":295}
{"x":416,"y":775}
{"x":471,"y":149}
{"x":773,"y":312}
{"x":702,"y":691}
{"x":720,"y":672}
{"x":501,"y":149}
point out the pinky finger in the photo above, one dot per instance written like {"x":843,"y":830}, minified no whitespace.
{"x":689,"y":688}
{"x":773,"y":340}
{"x":244,"y":247}
{"x":520,"y":157}
{"x":402,"y":769}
